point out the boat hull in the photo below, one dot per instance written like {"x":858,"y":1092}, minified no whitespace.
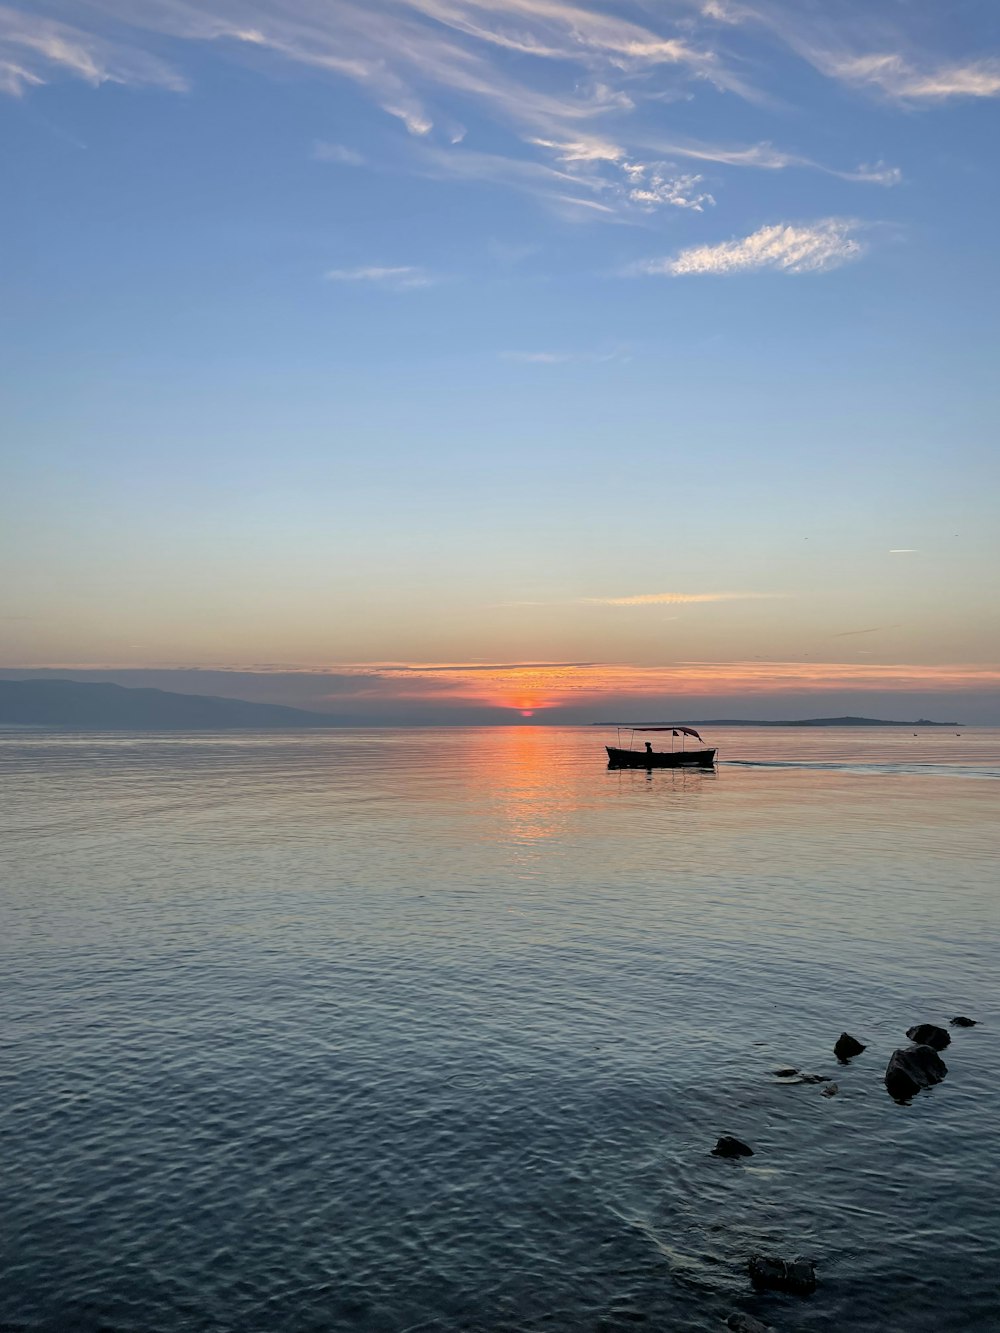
{"x":659,"y":759}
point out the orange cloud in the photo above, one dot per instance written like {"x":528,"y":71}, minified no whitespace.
{"x":682,"y":598}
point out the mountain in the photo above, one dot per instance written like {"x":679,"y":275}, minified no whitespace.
{"x":71,"y":703}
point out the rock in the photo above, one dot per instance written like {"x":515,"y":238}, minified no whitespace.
{"x":926,"y":1034}
{"x":797,"y":1276}
{"x":962,"y":1022}
{"x":727,"y":1146}
{"x":847,"y":1047}
{"x":910,"y":1070}
{"x":745,"y":1323}
{"x":798,"y":1076}
{"x":830,"y":1090}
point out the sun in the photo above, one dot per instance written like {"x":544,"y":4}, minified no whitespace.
{"x":527,"y":712}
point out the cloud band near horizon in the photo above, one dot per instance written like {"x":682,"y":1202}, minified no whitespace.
{"x":548,"y":686}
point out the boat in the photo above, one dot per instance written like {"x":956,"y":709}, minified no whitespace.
{"x":620,"y":756}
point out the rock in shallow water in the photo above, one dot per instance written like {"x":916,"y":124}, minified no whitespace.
{"x":910,"y":1070}
{"x":745,"y":1323}
{"x":797,"y":1276}
{"x":727,"y":1146}
{"x":926,"y":1034}
{"x":962,"y":1022}
{"x":790,"y":1075}
{"x":847,"y":1047}
{"x":830,"y":1090}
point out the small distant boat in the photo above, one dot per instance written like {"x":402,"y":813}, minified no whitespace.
{"x":620,"y":756}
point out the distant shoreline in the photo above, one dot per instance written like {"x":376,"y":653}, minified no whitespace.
{"x":791,"y":722}
{"x":102,"y":706}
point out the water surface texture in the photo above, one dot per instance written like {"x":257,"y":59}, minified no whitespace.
{"x":434,"y":1030}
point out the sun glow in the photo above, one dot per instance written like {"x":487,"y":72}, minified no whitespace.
{"x":536,"y":687}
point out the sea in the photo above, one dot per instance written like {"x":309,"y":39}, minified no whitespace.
{"x":433,"y":1031}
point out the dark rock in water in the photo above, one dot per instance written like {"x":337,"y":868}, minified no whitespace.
{"x":798,"y":1076}
{"x":910,"y":1070}
{"x":847,"y":1047}
{"x":797,"y":1276}
{"x":830,"y":1090}
{"x":745,"y":1323}
{"x":962,"y":1022}
{"x":926,"y":1034}
{"x":727,"y":1146}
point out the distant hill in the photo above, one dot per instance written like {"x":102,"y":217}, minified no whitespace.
{"x":794,"y":722}
{"x":98,"y":707}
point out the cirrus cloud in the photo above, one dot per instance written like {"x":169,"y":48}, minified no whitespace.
{"x":573,"y":90}
{"x":785,"y":247}
{"x":35,"y":49}
{"x":682,"y":598}
{"x":401,"y":277}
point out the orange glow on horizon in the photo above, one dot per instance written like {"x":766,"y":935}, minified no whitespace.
{"x":532,"y":688}
{"x":535,"y":687}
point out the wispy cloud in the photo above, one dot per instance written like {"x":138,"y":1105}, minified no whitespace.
{"x":563,"y":358}
{"x":539,"y":358}
{"x":853,"y":633}
{"x":903,"y":550}
{"x":765,"y":156}
{"x":861,"y":43}
{"x":786,"y":248}
{"x":682,"y":598}
{"x":561,"y":30}
{"x":876,"y":173}
{"x":337,"y":152}
{"x":565,"y":191}
{"x":894,"y":75}
{"x":401,"y":277}
{"x":397,"y":668}
{"x":568,"y":89}
{"x":34,"y":50}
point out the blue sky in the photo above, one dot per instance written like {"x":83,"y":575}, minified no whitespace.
{"x":342,"y":335}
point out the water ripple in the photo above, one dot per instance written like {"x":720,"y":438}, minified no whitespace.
{"x":435,"y":1031}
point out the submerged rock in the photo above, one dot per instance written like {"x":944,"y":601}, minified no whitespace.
{"x":745,"y":1323}
{"x":962,"y":1022}
{"x":727,"y":1146}
{"x":847,"y":1047}
{"x":797,"y":1276}
{"x":926,"y":1034}
{"x":830,"y":1090}
{"x":799,"y":1076}
{"x":910,"y":1070}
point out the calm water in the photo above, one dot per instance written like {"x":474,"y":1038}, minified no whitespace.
{"x":435,"y":1030}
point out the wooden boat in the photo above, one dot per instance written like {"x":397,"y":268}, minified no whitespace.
{"x":620,"y":756}
{"x":659,"y":758}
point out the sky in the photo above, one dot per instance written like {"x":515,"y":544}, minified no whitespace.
{"x":504,"y":360}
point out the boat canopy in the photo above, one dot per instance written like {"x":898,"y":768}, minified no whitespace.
{"x":677,"y":731}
